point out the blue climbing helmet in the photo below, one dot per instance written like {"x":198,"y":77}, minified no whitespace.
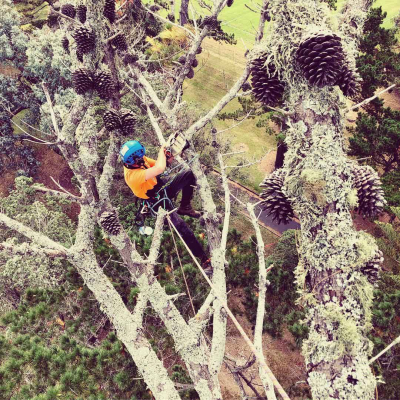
{"x":131,"y":152}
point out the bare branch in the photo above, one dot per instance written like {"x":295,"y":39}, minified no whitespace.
{"x":396,"y":341}
{"x":64,"y":195}
{"x":366,"y":101}
{"x":262,"y":286}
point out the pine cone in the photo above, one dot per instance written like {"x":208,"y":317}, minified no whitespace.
{"x":348,"y":81}
{"x":370,"y":194}
{"x":120,"y":42}
{"x":190,"y":74}
{"x":81,"y":13}
{"x":109,"y":10}
{"x":154,"y":8}
{"x":79,"y":55}
{"x":195,"y":63}
{"x":128,"y":121}
{"x":372,"y":268}
{"x":110,"y":223}
{"x":65,"y":44}
{"x":85,"y":39}
{"x":82,"y":80}
{"x":111,"y":120}
{"x":104,"y":85}
{"x":130,"y":58}
{"x":275,"y":202}
{"x":229,"y":3}
{"x":199,"y":50}
{"x":320,"y":57}
{"x":171,"y":17}
{"x":68,"y":10}
{"x":182,"y":60}
{"x":267,"y":87}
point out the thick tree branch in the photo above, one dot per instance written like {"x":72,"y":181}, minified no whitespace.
{"x":31,"y":250}
{"x":36,"y":237}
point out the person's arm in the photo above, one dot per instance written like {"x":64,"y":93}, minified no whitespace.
{"x":159,"y":166}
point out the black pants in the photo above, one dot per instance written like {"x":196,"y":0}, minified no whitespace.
{"x":184,"y":181}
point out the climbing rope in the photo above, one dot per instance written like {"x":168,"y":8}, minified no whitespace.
{"x":180,"y":263}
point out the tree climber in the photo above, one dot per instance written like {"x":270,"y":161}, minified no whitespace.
{"x":142,"y":175}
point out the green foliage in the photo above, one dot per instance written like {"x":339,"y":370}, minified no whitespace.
{"x":386,"y":316}
{"x":378,"y":63}
{"x":391,"y":185}
{"x":377,"y":136}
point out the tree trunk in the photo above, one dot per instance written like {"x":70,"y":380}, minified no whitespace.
{"x":318,"y":182}
{"x":337,"y":295}
{"x":184,"y":12}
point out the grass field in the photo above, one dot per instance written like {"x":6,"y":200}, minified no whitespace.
{"x":221,"y":64}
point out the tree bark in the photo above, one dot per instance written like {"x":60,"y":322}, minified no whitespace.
{"x":184,"y":12}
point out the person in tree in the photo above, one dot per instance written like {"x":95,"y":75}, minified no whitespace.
{"x":142,"y":175}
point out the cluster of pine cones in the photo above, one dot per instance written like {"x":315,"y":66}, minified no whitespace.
{"x":366,"y":181}
{"x":322,"y":61}
{"x":84,"y":80}
{"x":124,"y":120}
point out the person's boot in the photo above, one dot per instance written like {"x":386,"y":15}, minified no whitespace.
{"x":188,"y":210}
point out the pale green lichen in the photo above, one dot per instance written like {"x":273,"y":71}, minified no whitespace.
{"x":352,"y":198}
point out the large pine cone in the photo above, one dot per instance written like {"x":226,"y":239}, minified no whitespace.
{"x":195,"y":63}
{"x":65,"y":44}
{"x":267,"y":87}
{"x":370,"y":194}
{"x":82,"y":80}
{"x":68,"y":10}
{"x":85,"y":39}
{"x":111,"y":120}
{"x":110,"y":223}
{"x":229,"y":3}
{"x":81,"y":13}
{"x":348,"y":81}
{"x":104,"y":85}
{"x":372,"y":268}
{"x":275,"y":202}
{"x":321,"y":57}
{"x":120,"y":42}
{"x":128,"y":121}
{"x":109,"y":10}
